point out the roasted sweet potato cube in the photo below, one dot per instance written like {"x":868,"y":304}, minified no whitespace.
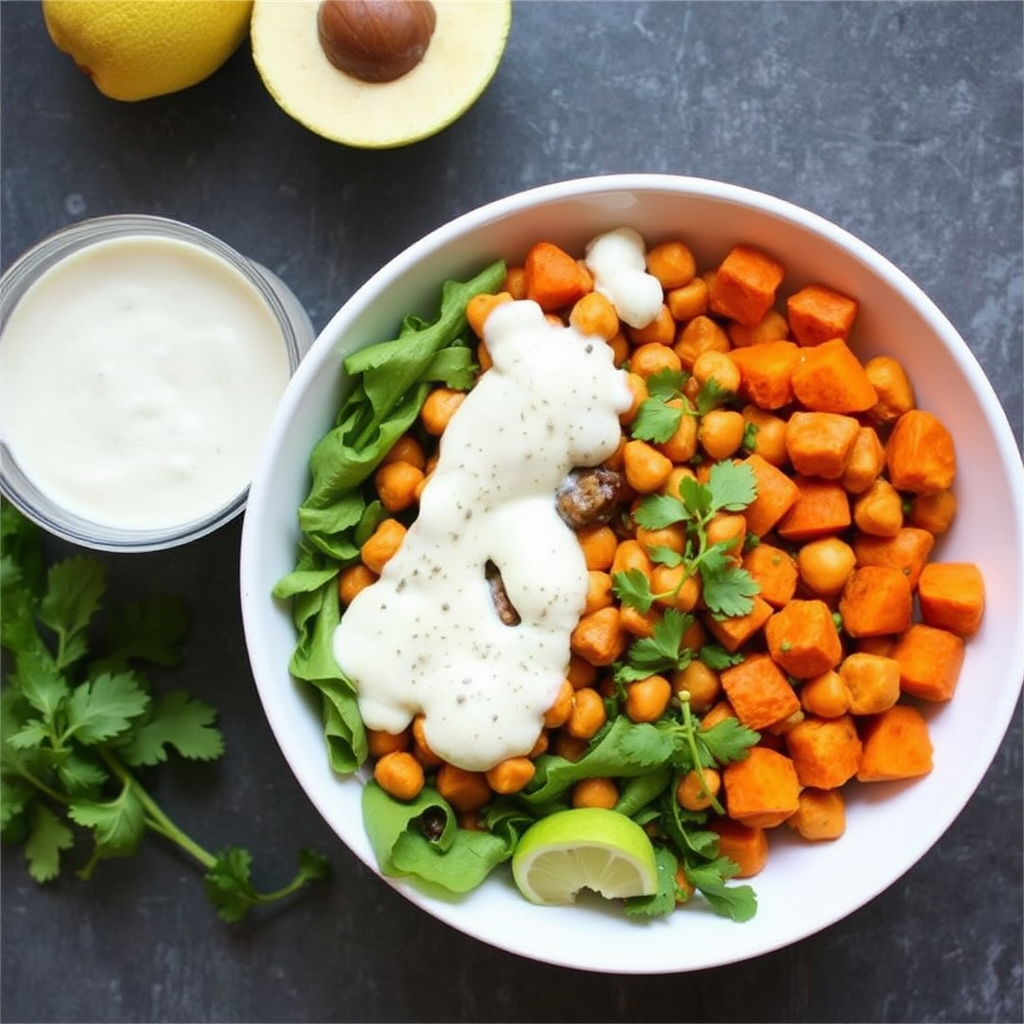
{"x":952,"y":596}
{"x":930,"y":660}
{"x":553,"y":278}
{"x":920,"y":453}
{"x":762,"y":790}
{"x":896,"y":745}
{"x":803,"y":639}
{"x":820,"y":815}
{"x":776,"y":493}
{"x":759,"y":692}
{"x":907,"y":550}
{"x":733,"y":632}
{"x":774,"y":571}
{"x":876,"y":600}
{"x":746,"y":847}
{"x":766,"y":372}
{"x":817,"y":313}
{"x":820,"y":443}
{"x":745,"y":284}
{"x":830,"y":378}
{"x":825,"y":751}
{"x":821,"y":508}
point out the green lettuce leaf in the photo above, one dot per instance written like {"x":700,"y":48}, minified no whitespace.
{"x":455,"y":859}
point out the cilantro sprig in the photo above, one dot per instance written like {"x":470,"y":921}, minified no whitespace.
{"x":726,"y":588}
{"x":78,"y":724}
{"x":662,"y":651}
{"x":666,"y":404}
{"x":686,"y":841}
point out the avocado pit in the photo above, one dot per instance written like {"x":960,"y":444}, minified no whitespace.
{"x":375,"y":40}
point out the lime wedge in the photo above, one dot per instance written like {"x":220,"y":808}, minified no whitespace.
{"x":584,"y":848}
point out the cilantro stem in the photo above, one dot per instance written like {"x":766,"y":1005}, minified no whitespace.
{"x":279,"y":894}
{"x":689,"y":728}
{"x":156,"y":819}
{"x":43,"y":788}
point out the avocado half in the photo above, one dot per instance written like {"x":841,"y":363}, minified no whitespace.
{"x":464,"y":52}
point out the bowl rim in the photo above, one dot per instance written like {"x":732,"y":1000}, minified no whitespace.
{"x":324,"y":349}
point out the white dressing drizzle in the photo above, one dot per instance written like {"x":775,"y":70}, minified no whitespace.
{"x":426,"y":636}
{"x":618,"y":262}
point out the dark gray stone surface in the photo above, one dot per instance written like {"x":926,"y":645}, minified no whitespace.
{"x":900,"y":121}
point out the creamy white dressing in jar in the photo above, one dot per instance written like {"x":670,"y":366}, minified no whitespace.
{"x":138,"y":376}
{"x":426,"y":636}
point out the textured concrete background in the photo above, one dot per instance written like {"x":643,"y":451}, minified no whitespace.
{"x":902,"y":122}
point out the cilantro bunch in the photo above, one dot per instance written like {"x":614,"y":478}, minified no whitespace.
{"x":78,"y":724}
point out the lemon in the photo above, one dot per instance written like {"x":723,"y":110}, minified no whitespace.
{"x":584,"y":848}
{"x":136,"y":49}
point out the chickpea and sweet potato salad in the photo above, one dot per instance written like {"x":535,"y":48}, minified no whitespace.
{"x":763,"y":617}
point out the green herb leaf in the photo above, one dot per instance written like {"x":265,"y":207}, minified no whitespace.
{"x":15,"y":798}
{"x":21,"y":564}
{"x":103,"y":708}
{"x":657,"y":511}
{"x":662,"y":554}
{"x":712,"y":396}
{"x":663,"y":651}
{"x":178,"y":721}
{"x":230,"y":888}
{"x":732,"y":486}
{"x":697,"y":498}
{"x":727,"y":589}
{"x":229,"y":884}
{"x":32,"y":734}
{"x":728,"y":740}
{"x":655,"y":421}
{"x":737,"y":902}
{"x":633,"y":587}
{"x":718,"y":658}
{"x":666,"y":384}
{"x":81,"y":775}
{"x":117,"y":825}
{"x":40,"y":682}
{"x":48,"y":837}
{"x":662,"y":902}
{"x":623,"y":750}
{"x":74,"y":590}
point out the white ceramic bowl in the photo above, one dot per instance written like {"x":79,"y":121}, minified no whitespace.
{"x":805,"y":887}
